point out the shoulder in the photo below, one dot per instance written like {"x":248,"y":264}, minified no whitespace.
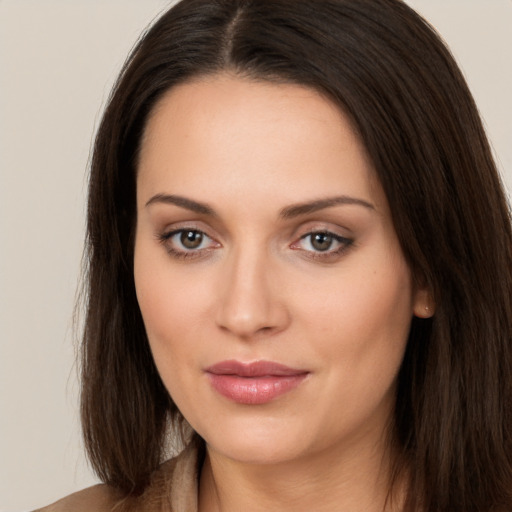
{"x":99,"y":498}
{"x":173,"y":486}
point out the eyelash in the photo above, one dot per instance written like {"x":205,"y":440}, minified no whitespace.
{"x":166,"y":239}
{"x":183,"y":254}
{"x":328,"y":254}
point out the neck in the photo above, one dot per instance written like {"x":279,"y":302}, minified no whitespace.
{"x":355,"y":479}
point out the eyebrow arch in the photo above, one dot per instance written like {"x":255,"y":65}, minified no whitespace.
{"x":182,"y":202}
{"x":288,"y":212}
{"x":310,"y":207}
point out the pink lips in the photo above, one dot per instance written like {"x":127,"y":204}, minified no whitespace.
{"x":253,"y":383}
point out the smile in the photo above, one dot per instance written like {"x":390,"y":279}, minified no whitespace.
{"x":254,"y":383}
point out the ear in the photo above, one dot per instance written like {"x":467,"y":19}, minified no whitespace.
{"x":423,"y":303}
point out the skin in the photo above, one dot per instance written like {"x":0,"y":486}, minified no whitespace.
{"x":257,"y":288}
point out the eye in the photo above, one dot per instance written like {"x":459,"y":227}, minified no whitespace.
{"x":320,"y":241}
{"x":322,"y":244}
{"x":187,"y":242}
{"x":190,"y":239}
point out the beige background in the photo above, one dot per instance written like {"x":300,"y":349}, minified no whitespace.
{"x":58,"y":59}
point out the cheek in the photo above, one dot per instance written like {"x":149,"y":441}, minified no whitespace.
{"x":170,"y":310}
{"x":168,"y":298}
{"x":362,"y":324}
{"x":169,"y":304}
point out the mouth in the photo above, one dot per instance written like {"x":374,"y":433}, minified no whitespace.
{"x":254,"y":383}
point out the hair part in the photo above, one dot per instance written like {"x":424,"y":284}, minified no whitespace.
{"x":385,"y":67}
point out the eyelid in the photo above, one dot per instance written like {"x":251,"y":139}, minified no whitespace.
{"x":165,"y":238}
{"x":176,"y":249}
{"x":335,"y":236}
{"x":344,"y":244}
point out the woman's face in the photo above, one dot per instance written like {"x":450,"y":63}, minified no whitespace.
{"x":274,"y":292}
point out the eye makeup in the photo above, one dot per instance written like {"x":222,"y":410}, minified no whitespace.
{"x":187,"y":243}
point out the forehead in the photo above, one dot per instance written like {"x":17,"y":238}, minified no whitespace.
{"x":233,"y":96}
{"x":233,"y":133}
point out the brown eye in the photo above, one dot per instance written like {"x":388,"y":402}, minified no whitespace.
{"x":322,"y":245}
{"x":188,"y":243}
{"x":321,"y":241}
{"x":191,"y":239}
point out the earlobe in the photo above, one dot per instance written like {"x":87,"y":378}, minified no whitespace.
{"x":424,"y":306}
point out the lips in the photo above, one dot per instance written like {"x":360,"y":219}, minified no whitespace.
{"x":253,"y":383}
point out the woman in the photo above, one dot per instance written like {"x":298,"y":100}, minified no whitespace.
{"x":299,"y":246}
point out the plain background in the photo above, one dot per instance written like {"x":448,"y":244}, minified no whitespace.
{"x":58,"y":60}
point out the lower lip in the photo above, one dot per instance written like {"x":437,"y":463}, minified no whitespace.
{"x":254,"y":390}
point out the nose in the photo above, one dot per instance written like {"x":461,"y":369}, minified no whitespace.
{"x":251,"y":302}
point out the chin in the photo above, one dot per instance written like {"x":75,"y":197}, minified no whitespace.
{"x":268,"y":443}
{"x":265,"y":452}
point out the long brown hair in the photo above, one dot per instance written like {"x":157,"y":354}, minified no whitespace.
{"x":388,"y":70}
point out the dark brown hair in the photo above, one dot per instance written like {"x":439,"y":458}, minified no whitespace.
{"x":387,"y":69}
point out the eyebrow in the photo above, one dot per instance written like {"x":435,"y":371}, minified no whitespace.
{"x":313,"y":206}
{"x":183,"y":202}
{"x":288,"y":212}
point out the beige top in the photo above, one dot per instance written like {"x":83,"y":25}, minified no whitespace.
{"x":173,"y":488}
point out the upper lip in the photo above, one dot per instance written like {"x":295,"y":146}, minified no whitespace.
{"x":254,"y":369}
